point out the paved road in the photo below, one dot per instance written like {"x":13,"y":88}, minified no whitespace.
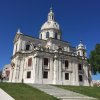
{"x":61,"y":93}
{"x":4,"y":95}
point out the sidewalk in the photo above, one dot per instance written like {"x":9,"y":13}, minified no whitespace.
{"x":4,"y":95}
{"x":61,"y":93}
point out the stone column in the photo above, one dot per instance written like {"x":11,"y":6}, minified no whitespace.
{"x":40,"y":65}
{"x":85,"y":78}
{"x":11,"y":74}
{"x":22,"y":64}
{"x":36,"y":69}
{"x":55,"y":80}
{"x":18,"y":70}
{"x":75,"y":73}
{"x":51,"y":70}
{"x":60,"y":72}
{"x":14,"y":72}
{"x":71,"y":73}
{"x":90,"y":75}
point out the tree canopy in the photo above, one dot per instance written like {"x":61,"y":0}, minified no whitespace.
{"x":94,"y":59}
{"x":0,"y":74}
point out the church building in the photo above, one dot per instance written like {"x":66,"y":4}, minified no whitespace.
{"x":48,"y":59}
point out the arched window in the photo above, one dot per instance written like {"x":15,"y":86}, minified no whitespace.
{"x":55,"y":35}
{"x":83,"y":53}
{"x":78,"y":53}
{"x":27,"y":47}
{"x":29,"y":62}
{"x":47,"y":34}
{"x":41,"y":36}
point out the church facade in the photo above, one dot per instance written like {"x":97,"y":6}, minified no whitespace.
{"x":48,"y":59}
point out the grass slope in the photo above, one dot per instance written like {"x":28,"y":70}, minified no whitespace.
{"x":25,"y":92}
{"x":89,"y":91}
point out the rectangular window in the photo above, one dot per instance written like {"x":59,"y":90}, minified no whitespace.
{"x":7,"y":73}
{"x":29,"y":62}
{"x":79,"y":66}
{"x":46,"y":61}
{"x":47,"y":35}
{"x":29,"y":74}
{"x":45,"y":74}
{"x":80,"y":78}
{"x":66,"y":64}
{"x":66,"y":76}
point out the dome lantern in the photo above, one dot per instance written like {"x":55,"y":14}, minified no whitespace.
{"x":51,"y":15}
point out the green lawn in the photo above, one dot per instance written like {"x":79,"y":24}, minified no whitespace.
{"x":24,"y":92}
{"x":89,"y":91}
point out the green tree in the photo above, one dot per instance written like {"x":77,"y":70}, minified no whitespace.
{"x":0,"y":74}
{"x":94,"y":59}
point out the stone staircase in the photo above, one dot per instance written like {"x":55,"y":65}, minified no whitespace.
{"x":61,"y":94}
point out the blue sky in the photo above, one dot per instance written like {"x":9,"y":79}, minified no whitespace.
{"x":78,"y":19}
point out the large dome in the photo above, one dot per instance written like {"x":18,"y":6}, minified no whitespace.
{"x":50,"y":29}
{"x":50,"y":25}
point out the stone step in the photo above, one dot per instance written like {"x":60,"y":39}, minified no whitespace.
{"x":61,"y":93}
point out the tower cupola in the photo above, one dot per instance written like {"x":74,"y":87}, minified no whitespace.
{"x":81,"y":49}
